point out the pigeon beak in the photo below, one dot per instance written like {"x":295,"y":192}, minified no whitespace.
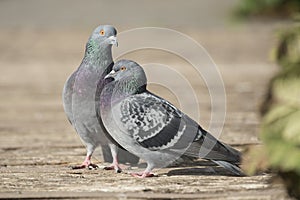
{"x":113,"y":40}
{"x":110,"y":75}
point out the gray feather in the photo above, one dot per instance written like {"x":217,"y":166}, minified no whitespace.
{"x":229,"y":166}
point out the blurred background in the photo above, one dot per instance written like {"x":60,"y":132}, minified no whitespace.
{"x":42,"y":42}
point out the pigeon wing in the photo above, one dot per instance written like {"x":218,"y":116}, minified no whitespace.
{"x":67,"y":96}
{"x":151,"y":121}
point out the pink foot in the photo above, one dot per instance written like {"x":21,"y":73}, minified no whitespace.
{"x":115,"y":167}
{"x":86,"y":164}
{"x":142,"y":174}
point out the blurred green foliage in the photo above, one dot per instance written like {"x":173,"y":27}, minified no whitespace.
{"x":288,"y":51}
{"x":248,"y":8}
{"x":280,"y":131}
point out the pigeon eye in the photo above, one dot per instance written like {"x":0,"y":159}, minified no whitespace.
{"x":102,"y":32}
{"x":123,"y":68}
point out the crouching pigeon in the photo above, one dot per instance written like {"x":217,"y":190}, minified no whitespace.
{"x":152,"y":128}
{"x":80,"y":99}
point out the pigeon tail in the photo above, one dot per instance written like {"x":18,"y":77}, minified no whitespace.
{"x":229,"y":166}
{"x":208,"y":147}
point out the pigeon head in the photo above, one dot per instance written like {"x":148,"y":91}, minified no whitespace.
{"x":105,"y":34}
{"x":129,"y":76}
{"x":103,"y":37}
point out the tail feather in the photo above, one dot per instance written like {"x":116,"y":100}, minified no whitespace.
{"x":207,"y":147}
{"x":231,"y":167}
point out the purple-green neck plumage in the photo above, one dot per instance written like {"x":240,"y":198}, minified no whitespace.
{"x":128,"y":78}
{"x":97,"y":54}
{"x":131,"y":86}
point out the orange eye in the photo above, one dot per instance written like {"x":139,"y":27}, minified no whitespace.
{"x":123,"y":68}
{"x":102,"y":32}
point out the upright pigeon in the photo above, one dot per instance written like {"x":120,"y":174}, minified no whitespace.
{"x":152,"y":128}
{"x":80,"y":99}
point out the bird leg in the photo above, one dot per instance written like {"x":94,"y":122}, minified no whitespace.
{"x":115,"y":164}
{"x":86,"y":164}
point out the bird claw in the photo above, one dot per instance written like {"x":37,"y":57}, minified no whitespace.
{"x":142,"y":174}
{"x":115,"y":167}
{"x":90,"y":166}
